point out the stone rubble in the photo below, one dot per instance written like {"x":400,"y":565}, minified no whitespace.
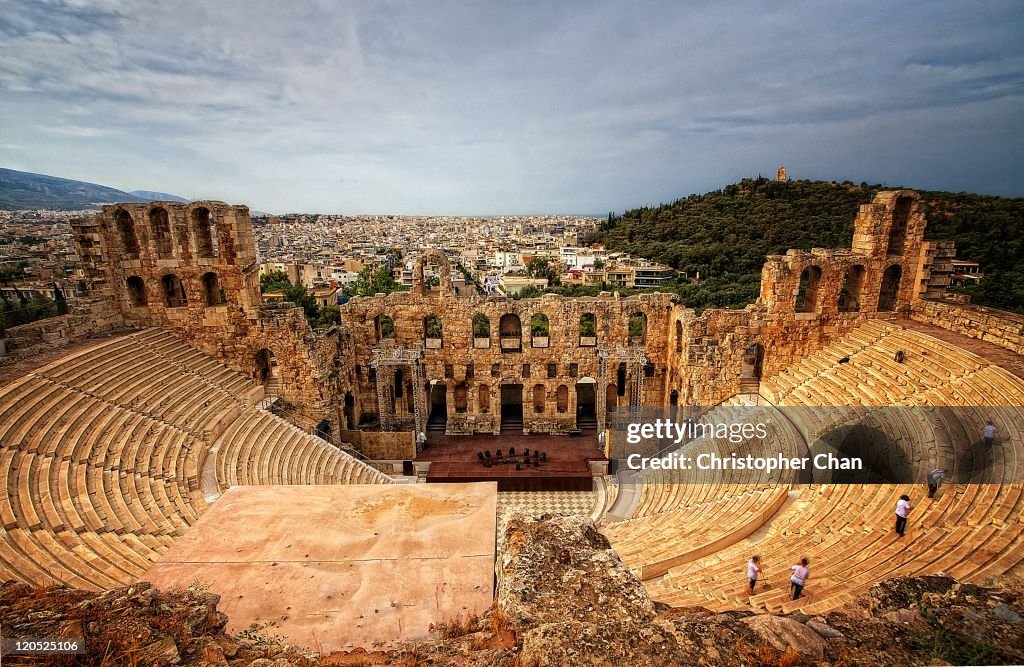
{"x":563,"y":598}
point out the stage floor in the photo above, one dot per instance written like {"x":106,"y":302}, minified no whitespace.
{"x":342,"y":566}
{"x":454,"y":459}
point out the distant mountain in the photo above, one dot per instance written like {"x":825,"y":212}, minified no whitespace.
{"x":24,"y":190}
{"x":150,"y":195}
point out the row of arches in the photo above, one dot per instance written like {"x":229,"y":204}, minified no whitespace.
{"x":173,"y":293}
{"x":809,"y":297}
{"x":202,"y":227}
{"x":484,"y":396}
{"x":510,"y":329}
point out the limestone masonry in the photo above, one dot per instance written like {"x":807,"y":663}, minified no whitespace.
{"x":395,"y":360}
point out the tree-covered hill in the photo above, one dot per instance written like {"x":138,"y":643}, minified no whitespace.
{"x":723,"y":236}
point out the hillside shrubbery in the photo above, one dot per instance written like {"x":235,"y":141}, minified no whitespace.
{"x":722,"y":237}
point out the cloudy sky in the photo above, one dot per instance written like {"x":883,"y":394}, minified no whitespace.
{"x":429,"y":106}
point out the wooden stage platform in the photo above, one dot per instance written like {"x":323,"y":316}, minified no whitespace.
{"x":453,"y":458}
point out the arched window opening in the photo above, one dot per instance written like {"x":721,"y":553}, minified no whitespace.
{"x":126,"y":230}
{"x":160,"y":225}
{"x":510,"y":330}
{"x":432,"y":331}
{"x":539,"y":330}
{"x":849,"y":296}
{"x":562,"y":399}
{"x":637,"y":328}
{"x":752,"y":361}
{"x":483,"y":399}
{"x":136,"y":291}
{"x":204,"y":229}
{"x":898,"y":231}
{"x":890,"y":288}
{"x":174,"y":291}
{"x":481,"y":331}
{"x":266,"y":366}
{"x":620,"y":379}
{"x":213,"y":292}
{"x":807,"y":293}
{"x":384,"y":325}
{"x":461,"y":398}
{"x":538,"y":399}
{"x":588,"y":330}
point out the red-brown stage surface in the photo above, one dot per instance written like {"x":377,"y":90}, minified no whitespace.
{"x":342,"y":566}
{"x":454,"y":459}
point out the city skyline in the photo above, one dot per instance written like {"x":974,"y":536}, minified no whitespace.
{"x":452,"y":109}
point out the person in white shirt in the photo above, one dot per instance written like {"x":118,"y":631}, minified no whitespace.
{"x":902,"y":512}
{"x":935,"y":478}
{"x":753,"y":569}
{"x":990,"y":433}
{"x":800,"y":576}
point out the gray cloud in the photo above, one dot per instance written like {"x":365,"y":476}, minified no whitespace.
{"x":508,"y":107}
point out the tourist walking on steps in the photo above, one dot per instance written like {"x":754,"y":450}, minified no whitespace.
{"x":800,"y":576}
{"x":935,"y":478}
{"x":753,"y":569}
{"x":902,"y":512}
{"x":990,"y":433}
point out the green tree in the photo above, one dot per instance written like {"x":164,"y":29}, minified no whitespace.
{"x":328,"y":317}
{"x":725,"y":235}
{"x":25,"y":310}
{"x":528,"y":292}
{"x":432,"y":326}
{"x":588,"y":325}
{"x":274,"y":281}
{"x":542,"y":267}
{"x":369,"y":283}
{"x":539,"y":325}
{"x":481,"y":326}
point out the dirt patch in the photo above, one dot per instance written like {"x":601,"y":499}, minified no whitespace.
{"x":416,"y":508}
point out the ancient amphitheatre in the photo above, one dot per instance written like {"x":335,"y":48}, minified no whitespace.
{"x":118,"y":453}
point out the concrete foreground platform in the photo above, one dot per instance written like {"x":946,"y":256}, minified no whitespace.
{"x":335,"y":567}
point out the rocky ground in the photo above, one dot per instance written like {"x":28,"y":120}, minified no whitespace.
{"x":564,"y":598}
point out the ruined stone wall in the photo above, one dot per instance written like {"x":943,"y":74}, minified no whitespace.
{"x":192,"y":269}
{"x":887,"y":240}
{"x":708,"y":358}
{"x":93,"y":317}
{"x":382,"y":445}
{"x":995,"y":326}
{"x":807,"y":299}
{"x":463,"y":362}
